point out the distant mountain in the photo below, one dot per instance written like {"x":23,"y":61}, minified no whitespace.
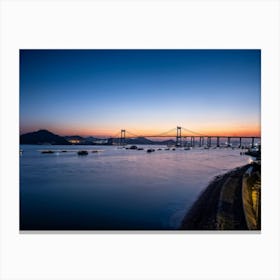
{"x":47,"y":137}
{"x":139,"y":141}
{"x":145,"y":141}
{"x":91,"y":139}
{"x":166,"y":142}
{"x":42,"y":137}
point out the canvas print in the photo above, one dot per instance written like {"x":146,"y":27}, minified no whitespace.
{"x":140,"y":140}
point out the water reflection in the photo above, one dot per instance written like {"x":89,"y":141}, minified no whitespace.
{"x":115,"y":188}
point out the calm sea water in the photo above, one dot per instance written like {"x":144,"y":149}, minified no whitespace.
{"x":115,"y":188}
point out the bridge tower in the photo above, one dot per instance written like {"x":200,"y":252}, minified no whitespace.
{"x":179,"y":137}
{"x":122,"y":139}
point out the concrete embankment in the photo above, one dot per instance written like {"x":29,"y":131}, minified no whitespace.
{"x":251,"y":196}
{"x":222,"y":206}
{"x":230,"y":214}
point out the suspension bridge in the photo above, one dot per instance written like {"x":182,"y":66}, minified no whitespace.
{"x":184,"y":136}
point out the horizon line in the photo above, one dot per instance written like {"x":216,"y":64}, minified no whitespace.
{"x":149,"y":135}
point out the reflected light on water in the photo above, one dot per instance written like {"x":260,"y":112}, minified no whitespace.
{"x":116,"y":188}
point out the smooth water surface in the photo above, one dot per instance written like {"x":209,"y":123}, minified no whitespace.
{"x":115,"y":189}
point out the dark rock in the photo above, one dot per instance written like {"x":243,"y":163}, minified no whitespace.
{"x":133,"y":148}
{"x":47,"y":152}
{"x":82,"y":153}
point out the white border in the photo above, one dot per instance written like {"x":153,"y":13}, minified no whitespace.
{"x":139,"y":24}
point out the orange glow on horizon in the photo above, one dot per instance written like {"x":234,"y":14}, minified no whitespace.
{"x":204,"y":130}
{"x":252,"y":131}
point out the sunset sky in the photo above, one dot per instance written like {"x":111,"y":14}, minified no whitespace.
{"x":100,"y":92}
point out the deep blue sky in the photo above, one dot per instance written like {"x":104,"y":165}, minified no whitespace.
{"x":98,"y":92}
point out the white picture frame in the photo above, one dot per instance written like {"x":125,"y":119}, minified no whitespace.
{"x":115,"y":24}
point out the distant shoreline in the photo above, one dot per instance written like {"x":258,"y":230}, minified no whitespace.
{"x":205,"y":212}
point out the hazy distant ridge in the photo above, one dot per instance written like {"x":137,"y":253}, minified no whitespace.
{"x":46,"y":137}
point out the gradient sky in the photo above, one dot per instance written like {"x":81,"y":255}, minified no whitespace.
{"x":99,"y":92}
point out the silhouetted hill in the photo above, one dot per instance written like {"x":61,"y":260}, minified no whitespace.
{"x":91,"y":139}
{"x":42,"y":137}
{"x":139,"y":140}
{"x":166,"y":142}
{"x":46,"y":137}
{"x":145,"y":141}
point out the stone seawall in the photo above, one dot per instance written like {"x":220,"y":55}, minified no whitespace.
{"x":251,"y":199}
{"x":226,"y":204}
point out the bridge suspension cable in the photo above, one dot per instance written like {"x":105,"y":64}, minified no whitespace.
{"x":193,"y":132}
{"x":166,"y":132}
{"x":128,"y":132}
{"x":117,"y":135}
